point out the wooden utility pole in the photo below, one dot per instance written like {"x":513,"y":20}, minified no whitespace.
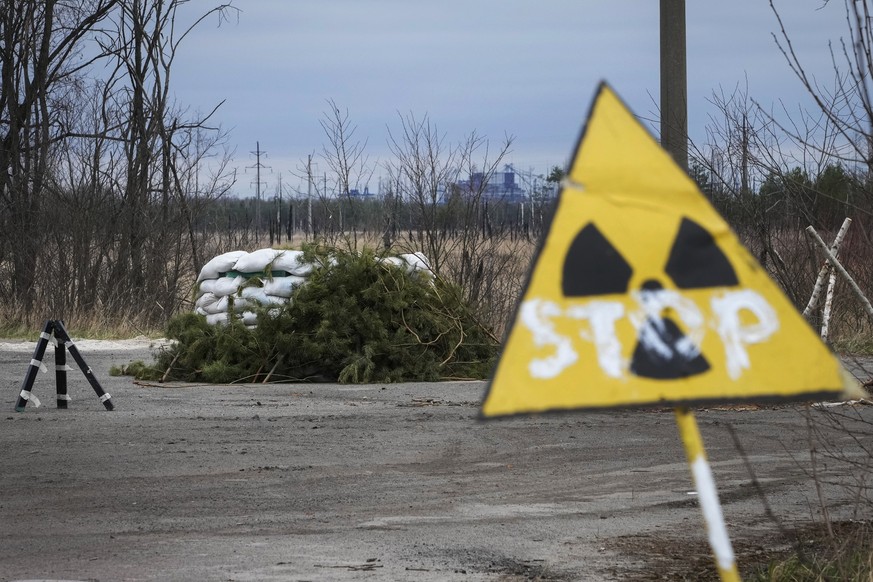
{"x":674,"y":92}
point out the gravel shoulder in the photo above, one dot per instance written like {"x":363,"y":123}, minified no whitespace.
{"x":379,"y":482}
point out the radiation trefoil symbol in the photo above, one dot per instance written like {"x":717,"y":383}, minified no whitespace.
{"x":594,"y":267}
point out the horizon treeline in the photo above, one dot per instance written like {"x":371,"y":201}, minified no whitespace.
{"x":113,"y":195}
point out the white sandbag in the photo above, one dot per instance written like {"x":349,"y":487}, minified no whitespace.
{"x":219,"y":306}
{"x":283,"y":286}
{"x":302,"y":270}
{"x":217,"y":319}
{"x":288,"y":260}
{"x":206,"y":300}
{"x":205,"y":286}
{"x":223,"y":305}
{"x":249,"y":318}
{"x":394,"y":261}
{"x":417,"y":262}
{"x":256,"y":262}
{"x":260,"y":295}
{"x":252,"y":293}
{"x":241,"y":304}
{"x":223,"y":286}
{"x":220,"y":264}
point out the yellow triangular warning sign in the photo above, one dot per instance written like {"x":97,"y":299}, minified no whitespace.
{"x":641,"y":294}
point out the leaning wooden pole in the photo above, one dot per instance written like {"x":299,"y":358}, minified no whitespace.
{"x":708,"y":496}
{"x":826,"y":268}
{"x":823,"y":247}
{"x":829,"y":303}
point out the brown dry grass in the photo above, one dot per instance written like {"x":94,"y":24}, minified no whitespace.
{"x":492,"y":277}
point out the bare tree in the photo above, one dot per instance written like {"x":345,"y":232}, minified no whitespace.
{"x":774,"y":170}
{"x":847,"y":104}
{"x":144,"y":44}
{"x":349,"y":165}
{"x":40,"y":41}
{"x":104,"y":175}
{"x":444,"y":187}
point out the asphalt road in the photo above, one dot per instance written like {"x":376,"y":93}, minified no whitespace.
{"x":385,"y":482}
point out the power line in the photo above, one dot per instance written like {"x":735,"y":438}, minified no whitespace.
{"x":257,"y":167}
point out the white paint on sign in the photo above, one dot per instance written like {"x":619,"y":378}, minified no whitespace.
{"x":735,"y":336}
{"x":540,"y":316}
{"x":536,"y":314}
{"x":602,"y":316}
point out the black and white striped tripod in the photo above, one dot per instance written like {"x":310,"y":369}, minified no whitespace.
{"x":54,"y":331}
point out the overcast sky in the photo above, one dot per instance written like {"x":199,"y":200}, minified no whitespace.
{"x":509,"y":67}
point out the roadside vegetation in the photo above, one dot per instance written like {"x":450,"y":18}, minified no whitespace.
{"x":357,"y":320}
{"x":840,"y":551}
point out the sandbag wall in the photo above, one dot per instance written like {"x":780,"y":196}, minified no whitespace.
{"x":234,"y":284}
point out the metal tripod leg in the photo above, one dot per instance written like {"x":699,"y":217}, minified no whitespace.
{"x":63,"y":336}
{"x":35,"y":365}
{"x":61,"y":369}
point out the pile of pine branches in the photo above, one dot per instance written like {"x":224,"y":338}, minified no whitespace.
{"x":356,"y":320}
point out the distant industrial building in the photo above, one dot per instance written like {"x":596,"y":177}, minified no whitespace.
{"x":509,"y":186}
{"x":499,"y":186}
{"x":365,"y":193}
